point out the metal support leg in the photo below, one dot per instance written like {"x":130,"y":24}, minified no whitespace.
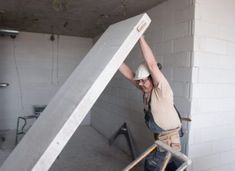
{"x":166,"y":160}
{"x":126,"y":132}
{"x":22,"y":130}
{"x":18,"y":130}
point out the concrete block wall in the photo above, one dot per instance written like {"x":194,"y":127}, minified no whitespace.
{"x":170,"y":37}
{"x":35,"y":68}
{"x":174,"y":49}
{"x":211,"y":144}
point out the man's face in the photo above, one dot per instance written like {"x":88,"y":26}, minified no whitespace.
{"x":145,"y":84}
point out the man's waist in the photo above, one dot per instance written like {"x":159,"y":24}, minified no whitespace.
{"x":170,"y":138}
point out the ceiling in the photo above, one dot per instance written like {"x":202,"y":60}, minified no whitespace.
{"x":85,"y":18}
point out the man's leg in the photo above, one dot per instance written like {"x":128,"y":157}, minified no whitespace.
{"x":154,"y":161}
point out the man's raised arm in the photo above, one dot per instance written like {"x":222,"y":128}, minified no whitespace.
{"x":150,"y":60}
{"x":128,"y":73}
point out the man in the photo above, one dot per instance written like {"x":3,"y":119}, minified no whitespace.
{"x":160,"y":115}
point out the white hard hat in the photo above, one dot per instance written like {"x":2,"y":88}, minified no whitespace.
{"x":141,"y":72}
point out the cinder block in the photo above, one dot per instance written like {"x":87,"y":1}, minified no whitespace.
{"x":213,"y":105}
{"x":204,"y":28}
{"x":212,"y":60}
{"x":197,"y":9}
{"x":219,"y":11}
{"x":206,"y":162}
{"x":168,"y":73}
{"x":182,"y":74}
{"x":223,"y":145}
{"x":156,"y":13}
{"x":184,"y":15}
{"x":200,"y":150}
{"x":230,"y":48}
{"x":228,"y":157}
{"x":167,"y":15}
{"x":191,"y":139}
{"x":182,"y":59}
{"x":227,"y":33}
{"x":203,"y":135}
{"x":195,"y":72}
{"x":211,"y":75}
{"x":205,"y":120}
{"x":179,"y":4}
{"x":197,"y":43}
{"x":212,"y":45}
{"x":213,"y":91}
{"x":184,"y":44}
{"x":176,"y":31}
{"x":155,"y":35}
{"x":183,"y":105}
{"x":164,"y":48}
{"x":180,"y":89}
{"x":227,"y":166}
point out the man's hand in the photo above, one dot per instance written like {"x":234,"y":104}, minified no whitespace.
{"x":150,"y":59}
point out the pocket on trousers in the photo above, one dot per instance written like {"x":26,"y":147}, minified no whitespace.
{"x":175,"y":142}
{"x":153,"y":161}
{"x":176,"y":146}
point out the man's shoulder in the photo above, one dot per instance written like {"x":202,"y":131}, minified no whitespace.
{"x":162,"y":82}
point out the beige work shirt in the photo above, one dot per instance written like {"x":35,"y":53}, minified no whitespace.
{"x":162,"y":106}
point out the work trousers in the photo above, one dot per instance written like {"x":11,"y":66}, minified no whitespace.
{"x":154,"y":160}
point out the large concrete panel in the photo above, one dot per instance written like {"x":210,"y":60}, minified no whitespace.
{"x":50,"y":133}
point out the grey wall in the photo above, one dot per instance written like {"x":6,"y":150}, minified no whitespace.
{"x":35,"y":68}
{"x":170,"y":36}
{"x":194,"y":40}
{"x":212,"y":145}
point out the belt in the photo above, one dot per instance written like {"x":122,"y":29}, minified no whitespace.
{"x":170,"y":138}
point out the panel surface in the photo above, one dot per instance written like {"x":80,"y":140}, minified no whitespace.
{"x":53,"y":129}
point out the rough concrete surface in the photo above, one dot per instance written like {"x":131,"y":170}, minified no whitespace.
{"x":87,"y":150}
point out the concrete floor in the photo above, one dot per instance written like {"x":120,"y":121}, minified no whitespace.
{"x":86,"y":151}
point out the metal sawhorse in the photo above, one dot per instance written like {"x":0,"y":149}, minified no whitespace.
{"x":20,"y":130}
